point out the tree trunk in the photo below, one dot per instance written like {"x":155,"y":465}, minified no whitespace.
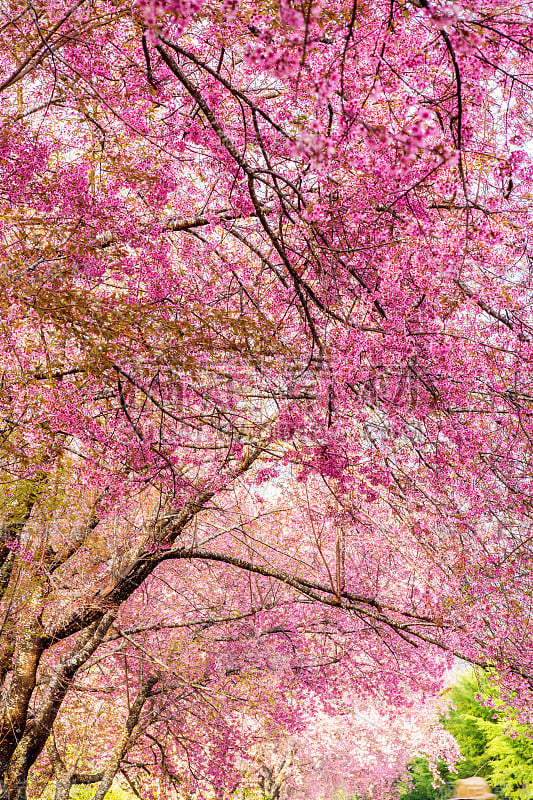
{"x":124,"y":740}
{"x":38,"y":730}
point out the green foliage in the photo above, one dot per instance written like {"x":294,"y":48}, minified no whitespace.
{"x":86,"y":792}
{"x":422,"y":779}
{"x":493,"y":745}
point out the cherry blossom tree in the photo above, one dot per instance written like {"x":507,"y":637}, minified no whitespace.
{"x":361,"y":752}
{"x":266,"y":357}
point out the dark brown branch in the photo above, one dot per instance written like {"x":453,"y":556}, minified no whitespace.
{"x":458,"y":85}
{"x":237,"y":94}
{"x":492,"y":312}
{"x":322,"y":593}
{"x":36,"y":54}
{"x":206,"y":110}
